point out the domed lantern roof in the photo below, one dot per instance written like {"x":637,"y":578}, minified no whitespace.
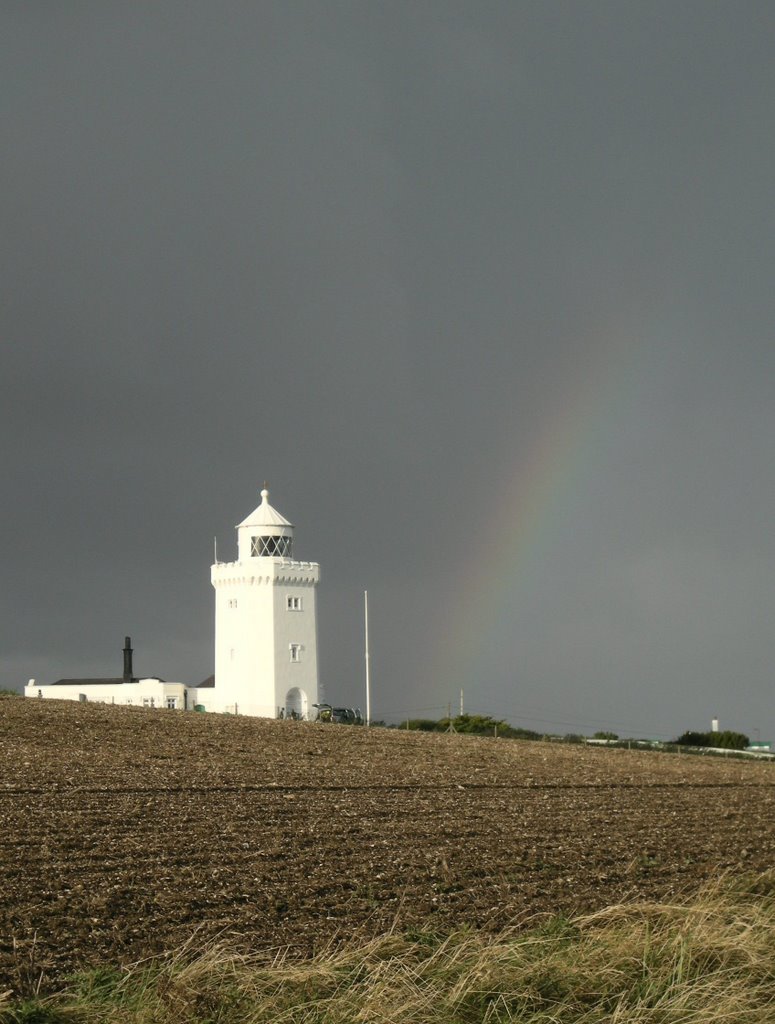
{"x":265,"y":515}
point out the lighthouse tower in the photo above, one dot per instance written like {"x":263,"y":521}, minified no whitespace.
{"x":266,"y":660}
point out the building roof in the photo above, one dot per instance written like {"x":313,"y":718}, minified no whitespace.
{"x":210,"y":681}
{"x":264,"y":515}
{"x":90,"y":682}
{"x":118,"y":681}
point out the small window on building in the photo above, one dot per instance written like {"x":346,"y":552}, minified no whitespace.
{"x":147,"y":702}
{"x":172,"y":702}
{"x":295,"y":651}
{"x":82,"y":697}
{"x":40,"y":693}
{"x":293,"y":604}
{"x":232,"y":602}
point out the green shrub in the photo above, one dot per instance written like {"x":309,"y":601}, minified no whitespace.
{"x":726,"y":739}
{"x":472,"y":725}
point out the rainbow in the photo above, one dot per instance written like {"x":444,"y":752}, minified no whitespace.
{"x":543,"y":494}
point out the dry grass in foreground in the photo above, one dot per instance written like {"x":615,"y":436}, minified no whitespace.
{"x":707,"y":959}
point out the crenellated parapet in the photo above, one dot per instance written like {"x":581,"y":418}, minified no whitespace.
{"x":268,"y":572}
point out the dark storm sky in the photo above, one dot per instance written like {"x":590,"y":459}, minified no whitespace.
{"x":485,"y":291}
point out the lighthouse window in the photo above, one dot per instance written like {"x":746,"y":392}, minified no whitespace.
{"x":271,"y":546}
{"x":295,"y":650}
{"x":293,"y":604}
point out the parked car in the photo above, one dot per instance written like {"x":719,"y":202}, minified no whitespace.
{"x":344,"y":716}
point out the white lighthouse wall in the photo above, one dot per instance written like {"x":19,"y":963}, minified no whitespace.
{"x":244,"y":641}
{"x":256,"y":633}
{"x":296,"y":656}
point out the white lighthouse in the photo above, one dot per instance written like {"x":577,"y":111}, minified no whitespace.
{"x":266,"y":661}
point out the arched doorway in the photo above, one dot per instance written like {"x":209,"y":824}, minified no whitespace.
{"x":296,"y":703}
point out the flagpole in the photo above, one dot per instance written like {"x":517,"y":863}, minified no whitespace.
{"x":366,"y":632}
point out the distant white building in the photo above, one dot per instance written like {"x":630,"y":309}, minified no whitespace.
{"x":148,"y":692}
{"x":266,"y":661}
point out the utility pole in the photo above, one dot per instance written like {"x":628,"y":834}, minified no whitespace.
{"x":366,"y":633}
{"x":461,"y":703}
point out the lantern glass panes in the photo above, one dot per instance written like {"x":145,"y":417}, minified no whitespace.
{"x":272,"y":547}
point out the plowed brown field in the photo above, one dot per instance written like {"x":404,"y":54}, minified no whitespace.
{"x":123,"y":831}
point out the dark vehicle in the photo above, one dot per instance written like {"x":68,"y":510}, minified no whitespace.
{"x":344,"y":716}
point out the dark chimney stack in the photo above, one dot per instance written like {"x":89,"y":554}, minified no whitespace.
{"x":127,"y":659}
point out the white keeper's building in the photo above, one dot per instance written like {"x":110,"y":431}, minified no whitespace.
{"x":266,"y":661}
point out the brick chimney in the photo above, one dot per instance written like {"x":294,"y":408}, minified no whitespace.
{"x":127,"y":659}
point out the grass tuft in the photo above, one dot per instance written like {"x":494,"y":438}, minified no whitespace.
{"x":704,"y":960}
